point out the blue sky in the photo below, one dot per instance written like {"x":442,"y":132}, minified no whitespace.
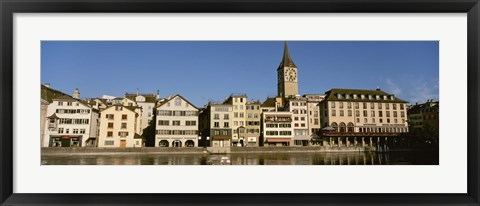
{"x":211,"y":70}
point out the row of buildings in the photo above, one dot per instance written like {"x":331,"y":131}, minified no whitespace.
{"x":288,"y":119}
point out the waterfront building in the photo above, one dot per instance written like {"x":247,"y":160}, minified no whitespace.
{"x":216,"y":124}
{"x":424,"y":116}
{"x":298,"y":107}
{"x":147,"y":102}
{"x":120,"y":127}
{"x":70,"y":123}
{"x":177,"y":123}
{"x":253,"y":120}
{"x":313,"y":112}
{"x":238,"y":102}
{"x":46,"y":98}
{"x":362,"y":112}
{"x":277,"y":128}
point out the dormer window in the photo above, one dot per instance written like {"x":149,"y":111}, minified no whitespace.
{"x":347,"y":96}
{"x":369,"y":96}
{"x":339,"y":96}
{"x":384,"y":97}
{"x":355,"y":96}
{"x":362,"y":96}
{"x":377,"y":97}
{"x":392,"y":97}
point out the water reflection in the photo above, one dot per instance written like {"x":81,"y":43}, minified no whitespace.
{"x":360,"y":158}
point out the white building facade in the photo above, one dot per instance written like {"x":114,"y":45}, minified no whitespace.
{"x":70,"y":123}
{"x":177,"y":123}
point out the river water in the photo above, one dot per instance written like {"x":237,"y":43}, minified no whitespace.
{"x":351,"y":158}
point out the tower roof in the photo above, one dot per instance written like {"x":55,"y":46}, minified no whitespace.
{"x":287,"y":59}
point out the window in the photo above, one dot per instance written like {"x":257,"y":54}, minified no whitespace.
{"x":241,"y":115}
{"x":394,"y":113}
{"x":82,"y":131}
{"x":388,"y":113}
{"x":216,"y":116}
{"x":373,"y":120}
{"x":356,"y":105}
{"x":365,"y":114}
{"x":315,"y":121}
{"x":365,"y":120}
{"x":373,"y":113}
{"x":387,"y":106}
{"x":340,"y":105}
{"x":364,"y":105}
{"x":302,"y":118}
{"x":176,"y":123}
{"x":225,"y":124}
{"x":178,"y":102}
{"x":67,"y":131}
{"x":110,"y":125}
{"x":124,"y":117}
{"x":358,"y":120}
{"x":163,"y":122}
{"x":124,"y":126}
{"x":122,"y":134}
{"x":372,"y":105}
{"x":241,"y":107}
{"x":402,"y":106}
{"x":110,"y":134}
{"x":60,"y":130}
{"x":216,"y":124}
{"x":402,"y":114}
{"x":380,"y":114}
{"x":349,"y":113}
{"x":235,"y":114}
{"x":333,"y":113}
{"x":379,"y":105}
{"x":341,"y":113}
{"x":333,"y":104}
{"x":394,"y":106}
{"x":381,"y":120}
{"x":109,"y":142}
{"x":225,"y":116}
{"x":69,"y":103}
{"x":349,"y":105}
{"x":109,"y":116}
{"x":60,"y":103}
{"x":75,"y":131}
{"x":118,"y":108}
{"x":191,"y":123}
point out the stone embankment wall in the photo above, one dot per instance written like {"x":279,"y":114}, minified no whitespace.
{"x":194,"y":150}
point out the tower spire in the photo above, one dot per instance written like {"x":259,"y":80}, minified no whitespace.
{"x":287,"y":59}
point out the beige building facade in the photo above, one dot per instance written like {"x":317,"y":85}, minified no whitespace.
{"x":363,"y":111}
{"x":119,"y":127}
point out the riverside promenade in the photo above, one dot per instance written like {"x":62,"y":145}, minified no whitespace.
{"x":195,"y":150}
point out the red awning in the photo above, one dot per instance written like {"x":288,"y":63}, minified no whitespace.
{"x":278,"y":140}
{"x":221,"y":137}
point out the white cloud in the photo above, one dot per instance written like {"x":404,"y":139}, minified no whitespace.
{"x":393,"y":87}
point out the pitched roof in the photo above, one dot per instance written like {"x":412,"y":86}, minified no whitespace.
{"x":331,"y":95}
{"x":286,"y":59}
{"x":269,"y":102}
{"x":148,"y":97}
{"x":48,"y":94}
{"x":173,"y":97}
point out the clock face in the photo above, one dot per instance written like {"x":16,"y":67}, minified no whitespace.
{"x":290,"y":74}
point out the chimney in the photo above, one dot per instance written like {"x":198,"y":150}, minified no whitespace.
{"x":76,"y":93}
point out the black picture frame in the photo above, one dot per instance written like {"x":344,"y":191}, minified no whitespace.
{"x":10,"y":7}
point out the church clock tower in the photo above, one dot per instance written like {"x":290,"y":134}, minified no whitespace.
{"x":287,"y":76}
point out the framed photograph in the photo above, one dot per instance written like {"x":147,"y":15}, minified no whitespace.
{"x":251,"y":103}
